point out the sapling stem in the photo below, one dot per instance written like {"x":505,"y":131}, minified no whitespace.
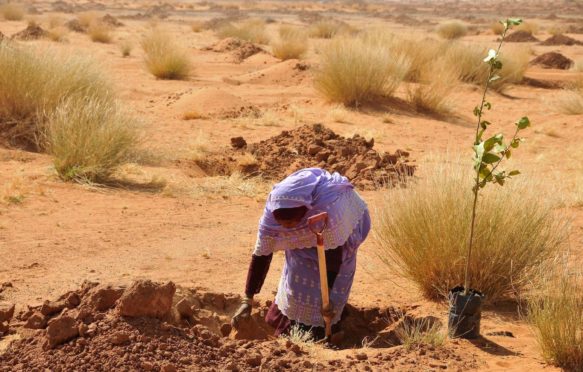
{"x":476,"y":188}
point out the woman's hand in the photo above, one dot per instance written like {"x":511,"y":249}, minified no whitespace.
{"x":244,"y":311}
{"x":328,"y":311}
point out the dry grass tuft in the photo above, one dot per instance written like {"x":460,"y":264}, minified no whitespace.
{"x":555,"y":312}
{"x":197,"y":26}
{"x":338,"y":114}
{"x":87,"y":18}
{"x":229,"y":186}
{"x":292,"y":43}
{"x":99,"y":32}
{"x":252,"y":30}
{"x":530,"y":27}
{"x":452,"y":30}
{"x":354,"y":71}
{"x":126,"y":48}
{"x":327,"y":29}
{"x":570,"y":101}
{"x":497,"y":28}
{"x":199,"y":148}
{"x":35,"y":84}
{"x":424,"y":331}
{"x":300,"y":337}
{"x":557,"y":30}
{"x":431,"y":94}
{"x":58,"y":34}
{"x":90,"y":138}
{"x":423,"y":231}
{"x":164,"y":58}
{"x":12,"y":11}
{"x":55,"y":21}
{"x":578,"y":66}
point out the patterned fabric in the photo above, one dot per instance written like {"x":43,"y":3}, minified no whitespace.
{"x":298,"y":296}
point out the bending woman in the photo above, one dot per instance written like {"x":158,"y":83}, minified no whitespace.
{"x":284,"y":226}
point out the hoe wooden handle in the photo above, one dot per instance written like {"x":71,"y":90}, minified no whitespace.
{"x":312,"y":221}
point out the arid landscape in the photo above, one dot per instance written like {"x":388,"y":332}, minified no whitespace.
{"x":140,"y":139}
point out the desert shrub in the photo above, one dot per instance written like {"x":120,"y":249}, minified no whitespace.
{"x":354,"y":71}
{"x":466,"y":60}
{"x":252,"y":30}
{"x":497,"y":28}
{"x":570,"y":101}
{"x":58,"y":34}
{"x":557,"y":30}
{"x":99,"y":32}
{"x":125,"y":48}
{"x":578,"y":65}
{"x":415,"y":332}
{"x":164,"y":58}
{"x":422,"y":232}
{"x":327,"y":28}
{"x":55,"y":21}
{"x":90,"y":138}
{"x":197,"y":26}
{"x":12,"y":11}
{"x":292,"y":44}
{"x":34,"y":85}
{"x":431,"y":94}
{"x":87,"y":18}
{"x":452,"y":30}
{"x":530,"y":27}
{"x":555,"y":312}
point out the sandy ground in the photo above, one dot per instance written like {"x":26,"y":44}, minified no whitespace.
{"x":61,"y":233}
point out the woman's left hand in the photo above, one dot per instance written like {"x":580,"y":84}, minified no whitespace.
{"x":328,"y":311}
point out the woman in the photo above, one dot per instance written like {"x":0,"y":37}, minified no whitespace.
{"x":283,"y":226}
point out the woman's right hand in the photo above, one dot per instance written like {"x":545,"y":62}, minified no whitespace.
{"x":244,"y":312}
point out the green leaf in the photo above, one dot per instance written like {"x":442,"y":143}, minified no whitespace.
{"x":490,"y":158}
{"x":492,"y":141}
{"x":499,"y":148}
{"x":515,"y":143}
{"x":484,"y":171}
{"x":507,"y":153}
{"x":514,"y":21}
{"x":488,"y":105}
{"x":477,"y":111}
{"x":514,"y":173}
{"x":500,"y":178}
{"x":496,"y":64}
{"x":523,"y":123}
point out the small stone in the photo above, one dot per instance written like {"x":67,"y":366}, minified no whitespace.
{"x":73,"y":300}
{"x":147,"y":299}
{"x":169,"y":367}
{"x":6,"y":311}
{"x":184,"y":308}
{"x":238,"y":142}
{"x":307,"y":364}
{"x":3,"y":328}
{"x":119,"y":338}
{"x":226,"y":329}
{"x":36,"y":321}
{"x":52,"y":307}
{"x":314,"y":149}
{"x":254,"y":360}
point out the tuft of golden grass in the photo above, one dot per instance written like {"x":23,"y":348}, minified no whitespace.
{"x":431,"y":94}
{"x":528,"y":26}
{"x":55,"y":21}
{"x":12,"y":11}
{"x":164,"y":58}
{"x":578,"y":65}
{"x":35,"y":84}
{"x":327,"y":29}
{"x":557,"y":29}
{"x":422,"y":231}
{"x":300,"y":337}
{"x":423,"y":331}
{"x":354,"y":71}
{"x":197,"y":26}
{"x":292,"y":43}
{"x":125,"y":48}
{"x":338,"y":114}
{"x":99,"y":32}
{"x":199,"y":147}
{"x":90,"y":138}
{"x":229,"y":186}
{"x":555,"y":312}
{"x":570,"y":101}
{"x":452,"y":30}
{"x":252,"y":30}
{"x":58,"y":34}
{"x":497,"y":28}
{"x":87,"y":18}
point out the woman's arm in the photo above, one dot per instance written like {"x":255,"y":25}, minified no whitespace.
{"x":258,"y":269}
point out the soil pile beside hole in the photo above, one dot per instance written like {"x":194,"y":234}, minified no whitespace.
{"x":561,"y":39}
{"x":290,"y":72}
{"x":553,"y":60}
{"x":521,"y":37}
{"x":32,"y":32}
{"x":315,"y":146}
{"x":212,"y":102}
{"x":193,"y":336}
{"x":110,"y":20}
{"x":75,"y":26}
{"x":239,"y":49}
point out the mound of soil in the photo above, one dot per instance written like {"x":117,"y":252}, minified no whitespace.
{"x":239,"y":49}
{"x":521,"y":37}
{"x":195,"y":334}
{"x":32,"y":32}
{"x":290,"y":72}
{"x":561,"y":39}
{"x":553,"y":60}
{"x":315,"y":146}
{"x":212,"y":102}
